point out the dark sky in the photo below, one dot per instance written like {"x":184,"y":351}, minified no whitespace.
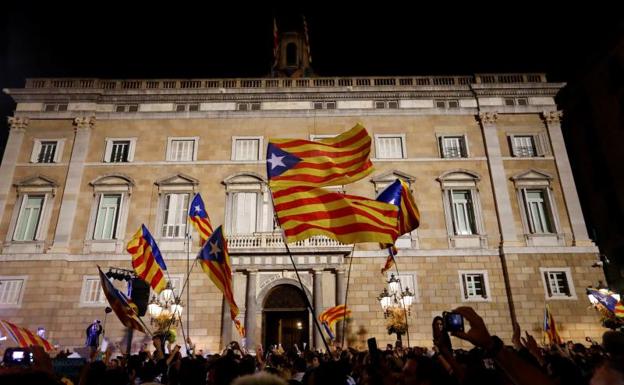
{"x":182,"y":39}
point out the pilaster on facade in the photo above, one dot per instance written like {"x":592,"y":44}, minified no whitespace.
{"x":317,"y":295}
{"x":83,"y":126}
{"x":552,"y":120}
{"x":498,"y":179}
{"x":17,"y":128}
{"x":251,"y":307}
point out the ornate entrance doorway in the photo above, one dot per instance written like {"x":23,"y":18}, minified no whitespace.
{"x":285,"y":318}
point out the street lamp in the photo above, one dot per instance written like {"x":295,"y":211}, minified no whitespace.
{"x":396,"y":306}
{"x":165,"y":310}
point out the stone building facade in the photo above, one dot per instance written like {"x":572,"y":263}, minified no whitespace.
{"x":88,"y":160}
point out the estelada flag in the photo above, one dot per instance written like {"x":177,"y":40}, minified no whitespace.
{"x":121,"y":305}
{"x":328,"y":162}
{"x":147,"y":261}
{"x":24,"y":337}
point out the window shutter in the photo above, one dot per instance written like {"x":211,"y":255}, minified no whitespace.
{"x":131,"y":150}
{"x":34,"y":157}
{"x":464,"y":286}
{"x":541,"y":144}
{"x":108,"y":150}
{"x":441,"y":146}
{"x":547,"y":280}
{"x":58,"y":155}
{"x":512,"y":146}
{"x":566,"y":285}
{"x":464,"y":146}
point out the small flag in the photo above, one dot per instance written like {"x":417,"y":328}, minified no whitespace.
{"x":147,"y":261}
{"x":329,"y":162}
{"x":392,"y":251}
{"x":123,"y":307}
{"x":332,"y":315}
{"x":199,"y":217}
{"x":215,"y":261}
{"x":608,"y":299}
{"x":550,"y":327}
{"x":305,"y":211}
{"x":24,"y":337}
{"x":307,"y":39}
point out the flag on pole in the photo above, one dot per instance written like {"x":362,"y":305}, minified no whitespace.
{"x":24,"y":337}
{"x":123,"y":307}
{"x":332,"y":315}
{"x":328,"y":162}
{"x":147,"y":261}
{"x":275,"y":43}
{"x":398,"y":193}
{"x":199,"y":217}
{"x":305,"y":211}
{"x":608,"y":300}
{"x":550,"y":327}
{"x":307,"y":39}
{"x":215,"y":261}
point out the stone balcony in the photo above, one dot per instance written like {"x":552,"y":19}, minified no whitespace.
{"x":270,"y":242}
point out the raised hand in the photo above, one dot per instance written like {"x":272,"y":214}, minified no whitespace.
{"x":478,"y":334}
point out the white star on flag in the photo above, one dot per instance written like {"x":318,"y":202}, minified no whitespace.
{"x":214,"y":249}
{"x":276,"y":161}
{"x":198,"y":209}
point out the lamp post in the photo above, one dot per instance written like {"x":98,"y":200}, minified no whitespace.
{"x":165,"y":311}
{"x":396,"y":306}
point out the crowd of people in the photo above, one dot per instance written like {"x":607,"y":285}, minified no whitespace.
{"x":521,"y":361}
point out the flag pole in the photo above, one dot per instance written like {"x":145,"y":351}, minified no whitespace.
{"x":396,"y":266}
{"x":292,"y":260}
{"x":344,"y":321}
{"x":188,"y":274}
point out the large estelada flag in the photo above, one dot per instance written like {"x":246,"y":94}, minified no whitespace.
{"x":328,"y":162}
{"x":121,"y":305}
{"x":199,"y":217}
{"x":147,"y":261}
{"x":398,"y":193}
{"x":609,"y":300}
{"x":24,"y":337}
{"x":305,"y":211}
{"x":215,"y":261}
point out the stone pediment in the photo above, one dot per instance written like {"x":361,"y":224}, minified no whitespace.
{"x":532,"y":174}
{"x":244,"y":178}
{"x":37,"y":181}
{"x":112,"y":180}
{"x":390,"y":176}
{"x":178,"y":180}
{"x":459,"y":175}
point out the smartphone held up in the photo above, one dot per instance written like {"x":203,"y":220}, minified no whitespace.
{"x":453,"y":322}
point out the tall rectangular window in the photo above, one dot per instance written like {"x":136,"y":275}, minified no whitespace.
{"x":174,"y":217}
{"x":537,"y":211}
{"x":558,"y":282}
{"x":245,"y":218}
{"x":463,"y":212}
{"x":92,"y":293}
{"x":453,"y":146}
{"x":389,"y":147}
{"x":107,"y":217}
{"x":29,"y":218}
{"x":181,"y":150}
{"x":11,"y":291}
{"x":474,"y":285}
{"x":246,"y":149}
{"x":524,"y":146}
{"x":47,"y":152}
{"x":119,"y":151}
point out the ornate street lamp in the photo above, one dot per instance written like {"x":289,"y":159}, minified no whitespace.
{"x":165,"y":311}
{"x":396,"y":306}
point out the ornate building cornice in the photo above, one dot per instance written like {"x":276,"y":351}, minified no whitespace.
{"x":488,"y":117}
{"x":551,"y":117}
{"x":18,"y":123}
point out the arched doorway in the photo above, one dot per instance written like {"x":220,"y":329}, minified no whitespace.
{"x":285,"y":318}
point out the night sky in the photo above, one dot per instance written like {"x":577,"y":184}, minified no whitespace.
{"x":184,"y":40}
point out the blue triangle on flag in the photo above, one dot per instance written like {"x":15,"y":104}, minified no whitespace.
{"x":279,"y":161}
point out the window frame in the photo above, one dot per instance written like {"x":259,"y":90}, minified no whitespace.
{"x":109,"y":149}
{"x":164,"y":210}
{"x":171,"y":139}
{"x":20,"y":296}
{"x":570,"y":282}
{"x":249,"y":183}
{"x":540,"y":142}
{"x":115,"y":229}
{"x":37,"y":145}
{"x":84,"y":291}
{"x":401,"y":137}
{"x":465,"y":296}
{"x":173,"y":184}
{"x":260,"y":140}
{"x":465,"y":152}
{"x":126,"y":108}
{"x":385,"y":104}
{"x":56,"y":107}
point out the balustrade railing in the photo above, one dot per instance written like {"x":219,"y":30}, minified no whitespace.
{"x":274,"y":240}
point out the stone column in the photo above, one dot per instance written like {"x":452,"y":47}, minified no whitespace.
{"x":251,"y":309}
{"x":498,"y":178}
{"x":80,"y":149}
{"x":17,"y":128}
{"x":318,"y":305}
{"x":552,"y":119}
{"x":226,"y":325}
{"x":340,"y":298}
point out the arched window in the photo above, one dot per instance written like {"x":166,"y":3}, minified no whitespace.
{"x":249,"y":209}
{"x":291,"y":54}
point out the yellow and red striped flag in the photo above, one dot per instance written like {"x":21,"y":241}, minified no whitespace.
{"x":123,"y":306}
{"x":147,"y":261}
{"x":24,"y":337}
{"x":199,"y":217}
{"x":215,"y":261}
{"x":550,"y":327}
{"x":305,"y":211}
{"x":332,"y":315}
{"x":329,"y":162}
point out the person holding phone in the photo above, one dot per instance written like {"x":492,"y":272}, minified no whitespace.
{"x":441,"y":339}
